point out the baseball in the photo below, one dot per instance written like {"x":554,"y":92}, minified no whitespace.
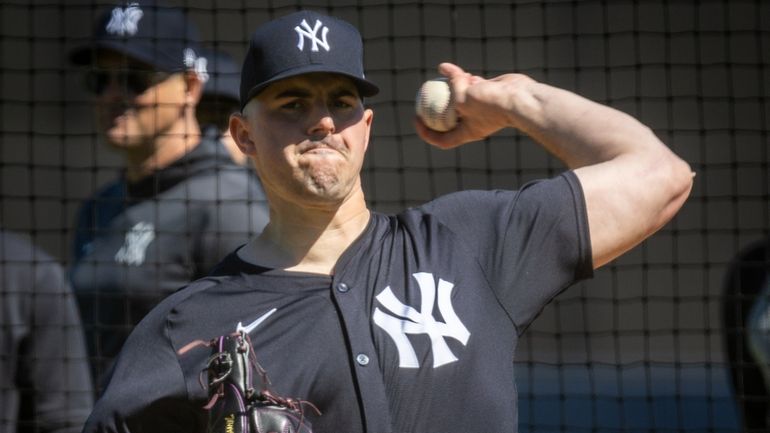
{"x":435,"y":105}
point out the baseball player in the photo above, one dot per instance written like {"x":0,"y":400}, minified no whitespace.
{"x":220,"y":98}
{"x":45,"y":384}
{"x":392,"y":323}
{"x":181,"y":204}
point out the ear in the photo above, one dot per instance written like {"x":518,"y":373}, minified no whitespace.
{"x":193,"y":87}
{"x":368,"y":118}
{"x":239,"y":130}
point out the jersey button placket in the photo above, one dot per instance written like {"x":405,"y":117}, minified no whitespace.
{"x":362,"y":359}
{"x":351,"y":300}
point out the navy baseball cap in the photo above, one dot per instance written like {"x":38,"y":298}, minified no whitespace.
{"x":223,"y":75}
{"x":301,"y":43}
{"x":152,"y":33}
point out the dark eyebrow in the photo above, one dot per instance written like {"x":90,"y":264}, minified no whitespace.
{"x":293,"y":93}
{"x":344,"y":92}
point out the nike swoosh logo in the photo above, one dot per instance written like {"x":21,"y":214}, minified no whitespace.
{"x":250,"y":327}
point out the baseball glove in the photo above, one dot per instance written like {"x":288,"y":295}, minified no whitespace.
{"x":235,"y":405}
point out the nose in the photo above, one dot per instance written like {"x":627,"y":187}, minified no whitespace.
{"x":322,"y":122}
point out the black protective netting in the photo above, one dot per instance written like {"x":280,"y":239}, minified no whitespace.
{"x":641,"y":347}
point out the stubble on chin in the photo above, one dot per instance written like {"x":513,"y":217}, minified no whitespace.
{"x":322,"y":182}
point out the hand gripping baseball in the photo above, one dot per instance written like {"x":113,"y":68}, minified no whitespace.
{"x":482,"y":106}
{"x":235,"y":405}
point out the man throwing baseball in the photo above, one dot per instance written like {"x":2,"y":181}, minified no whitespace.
{"x":401,"y":323}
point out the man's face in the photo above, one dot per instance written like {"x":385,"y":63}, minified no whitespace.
{"x":135,"y":104}
{"x":308,"y":136}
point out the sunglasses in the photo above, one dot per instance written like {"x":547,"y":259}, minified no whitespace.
{"x":135,"y":81}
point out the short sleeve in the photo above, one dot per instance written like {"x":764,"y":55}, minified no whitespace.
{"x":531,"y":243}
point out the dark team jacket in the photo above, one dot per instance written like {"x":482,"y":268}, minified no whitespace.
{"x":414,"y":333}
{"x":136,"y":243}
{"x":45,"y":384}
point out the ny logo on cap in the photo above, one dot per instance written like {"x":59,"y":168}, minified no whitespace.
{"x":312,"y":34}
{"x":125,"y":21}
{"x":197,"y":63}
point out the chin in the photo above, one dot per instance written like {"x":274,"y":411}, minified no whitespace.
{"x":323,"y":184}
{"x":324,"y":193}
{"x":120,"y":140}
{"x":330,"y":193}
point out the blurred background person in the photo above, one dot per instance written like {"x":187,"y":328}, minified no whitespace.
{"x":746,"y":316}
{"x":220,"y":98}
{"x":180,"y":204}
{"x":45,"y":385}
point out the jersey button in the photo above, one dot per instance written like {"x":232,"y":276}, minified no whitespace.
{"x":342,"y":288}
{"x":362,"y":359}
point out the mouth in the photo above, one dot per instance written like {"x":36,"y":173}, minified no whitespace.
{"x":319,"y":147}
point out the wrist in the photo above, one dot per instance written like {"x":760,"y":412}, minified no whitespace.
{"x":524,"y":105}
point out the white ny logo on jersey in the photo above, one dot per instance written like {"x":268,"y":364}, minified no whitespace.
{"x":137,"y":239}
{"x":125,"y":21}
{"x":312,"y":34}
{"x":407,"y":320}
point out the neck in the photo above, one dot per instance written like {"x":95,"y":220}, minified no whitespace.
{"x":309,"y":240}
{"x":163,"y":149}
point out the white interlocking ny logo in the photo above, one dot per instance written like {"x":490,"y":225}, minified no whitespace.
{"x":125,"y":21}
{"x":407,"y":320}
{"x":312,"y":34}
{"x":198,"y":64}
{"x":137,"y":239}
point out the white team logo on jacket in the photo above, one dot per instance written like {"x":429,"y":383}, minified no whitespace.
{"x":134,"y":247}
{"x":305,"y":31}
{"x":125,"y":22}
{"x":404,"y":320}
